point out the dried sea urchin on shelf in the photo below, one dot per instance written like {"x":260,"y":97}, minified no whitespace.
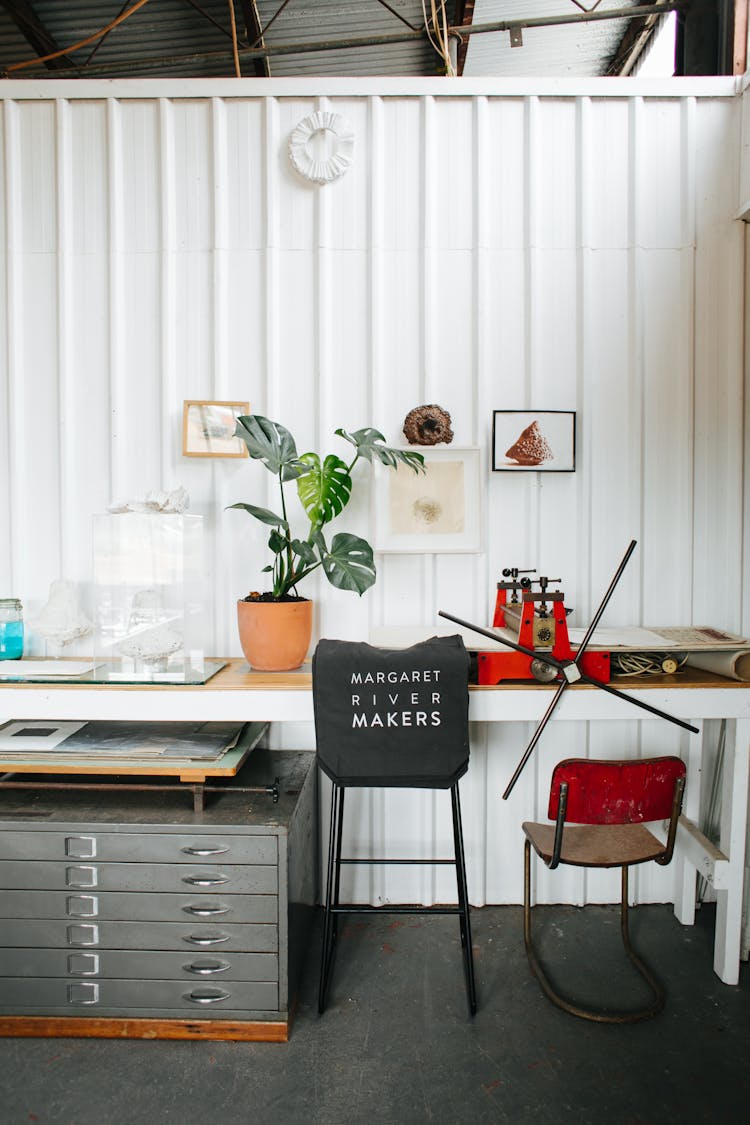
{"x":427,"y":425}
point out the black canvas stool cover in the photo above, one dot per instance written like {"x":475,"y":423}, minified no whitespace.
{"x":392,"y":718}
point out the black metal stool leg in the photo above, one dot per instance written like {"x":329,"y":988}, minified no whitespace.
{"x":330,"y":919}
{"x":463,"y":899}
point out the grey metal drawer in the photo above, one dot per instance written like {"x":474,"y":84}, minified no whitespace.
{"x":228,"y":879}
{"x":209,"y":937}
{"x":139,"y":847}
{"x":139,"y":965}
{"x":121,"y":906}
{"x":81,"y":996}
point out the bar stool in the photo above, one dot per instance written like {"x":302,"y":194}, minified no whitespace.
{"x":393,"y":718}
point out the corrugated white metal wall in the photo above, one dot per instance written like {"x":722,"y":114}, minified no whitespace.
{"x":495,"y":245}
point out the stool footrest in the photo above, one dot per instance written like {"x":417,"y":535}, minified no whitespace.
{"x":431,"y":862}
{"x":356,"y":908}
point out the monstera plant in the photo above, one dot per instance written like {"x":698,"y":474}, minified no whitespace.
{"x":323,"y":488}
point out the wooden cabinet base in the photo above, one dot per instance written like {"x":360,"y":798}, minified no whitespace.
{"x":30,"y":1027}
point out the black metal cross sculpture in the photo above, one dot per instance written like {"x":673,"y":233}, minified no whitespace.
{"x":569,"y":671}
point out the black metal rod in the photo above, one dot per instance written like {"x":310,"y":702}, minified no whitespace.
{"x":535,"y":738}
{"x":605,"y":600}
{"x":495,"y":636}
{"x":638,"y":703}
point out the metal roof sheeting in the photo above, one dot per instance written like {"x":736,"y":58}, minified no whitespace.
{"x":171,"y":38}
{"x":579,"y":49}
{"x":174,"y":39}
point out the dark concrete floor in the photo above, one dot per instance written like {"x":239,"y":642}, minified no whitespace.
{"x":396,"y":1044}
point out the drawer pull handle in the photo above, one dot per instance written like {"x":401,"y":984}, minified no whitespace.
{"x":214,"y":939}
{"x":206,"y":911}
{"x":205,"y":880}
{"x":207,"y":968}
{"x":204,"y":851}
{"x":206,"y":998}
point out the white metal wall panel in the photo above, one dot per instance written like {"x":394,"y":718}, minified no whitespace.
{"x":515,"y":246}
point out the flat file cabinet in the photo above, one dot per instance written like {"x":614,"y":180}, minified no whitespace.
{"x":131,"y":914}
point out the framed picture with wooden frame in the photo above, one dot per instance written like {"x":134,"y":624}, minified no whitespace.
{"x":208,"y":428}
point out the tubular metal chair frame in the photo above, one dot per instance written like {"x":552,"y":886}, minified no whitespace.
{"x":662,"y":855}
{"x":334,"y":908}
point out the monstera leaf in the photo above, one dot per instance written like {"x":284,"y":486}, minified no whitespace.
{"x":272,"y":444}
{"x":349,"y":564}
{"x":369,"y":444}
{"x":262,"y":514}
{"x":325,"y":490}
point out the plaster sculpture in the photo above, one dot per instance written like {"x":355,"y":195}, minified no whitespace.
{"x":61,"y":620}
{"x":176,"y":501}
{"x":150,"y":638}
{"x":303,"y":141}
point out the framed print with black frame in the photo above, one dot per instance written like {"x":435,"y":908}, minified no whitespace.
{"x":539,"y":441}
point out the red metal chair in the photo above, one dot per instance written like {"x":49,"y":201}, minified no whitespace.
{"x":600,"y":810}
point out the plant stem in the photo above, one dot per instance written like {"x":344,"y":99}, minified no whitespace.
{"x":289,"y":559}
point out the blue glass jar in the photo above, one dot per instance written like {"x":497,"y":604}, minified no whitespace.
{"x":11,"y":629}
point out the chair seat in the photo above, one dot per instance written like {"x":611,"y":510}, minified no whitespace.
{"x":596,"y":845}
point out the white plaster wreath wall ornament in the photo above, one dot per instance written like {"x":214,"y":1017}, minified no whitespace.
{"x":311,"y":135}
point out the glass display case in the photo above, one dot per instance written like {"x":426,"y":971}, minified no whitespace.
{"x":149,"y":596}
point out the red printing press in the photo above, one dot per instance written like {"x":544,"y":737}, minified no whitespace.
{"x":537,"y":621}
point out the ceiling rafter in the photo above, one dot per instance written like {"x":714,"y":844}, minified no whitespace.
{"x":36,"y":34}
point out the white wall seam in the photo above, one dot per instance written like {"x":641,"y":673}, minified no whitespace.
{"x":221,"y":328}
{"x":636,"y":420}
{"x":376,"y":406}
{"x":272,"y":403}
{"x":688,"y":225}
{"x":117,"y":475}
{"x":322,"y":392}
{"x":476,"y":827}
{"x":586,"y":379}
{"x":66,"y":411}
{"x":533,"y":172}
{"x":376,"y":410}
{"x":15,"y":395}
{"x":585,"y":374}
{"x":167,"y":196}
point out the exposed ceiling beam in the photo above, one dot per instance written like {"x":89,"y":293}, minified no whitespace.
{"x":463,"y":17}
{"x":739,"y":54}
{"x":35,"y":33}
{"x":254,"y":33}
{"x":634,"y":41}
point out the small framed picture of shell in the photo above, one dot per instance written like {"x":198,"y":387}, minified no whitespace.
{"x":539,"y":441}
{"x":437,"y":510}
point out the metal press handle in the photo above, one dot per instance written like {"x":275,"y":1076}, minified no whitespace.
{"x":205,"y":880}
{"x":212,"y":999}
{"x":204,"y":851}
{"x":206,"y":911}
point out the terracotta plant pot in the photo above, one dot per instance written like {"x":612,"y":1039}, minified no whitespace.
{"x":275,"y":636}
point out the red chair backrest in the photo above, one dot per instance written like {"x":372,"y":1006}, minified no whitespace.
{"x":621,"y":792}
